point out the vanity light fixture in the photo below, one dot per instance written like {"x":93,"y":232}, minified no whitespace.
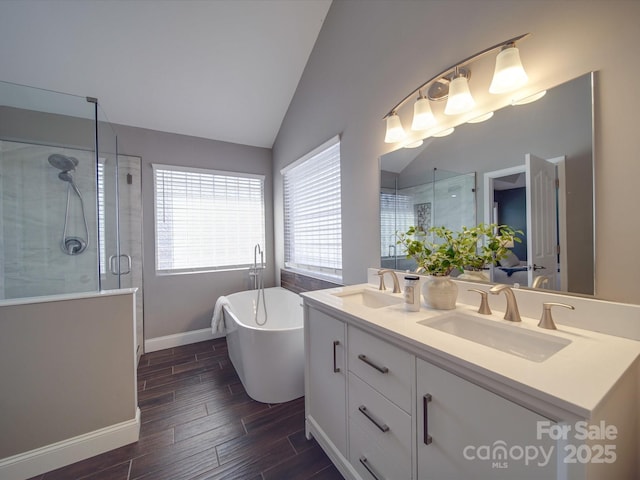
{"x":415,"y":144}
{"x":509,"y":74}
{"x":481,"y":118}
{"x":422,"y":115}
{"x":459,"y":98}
{"x":395,"y":132}
{"x":452,"y":85}
{"x":529,"y":99}
{"x":444,"y":133}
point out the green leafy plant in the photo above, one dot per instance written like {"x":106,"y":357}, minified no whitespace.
{"x":438,"y":256}
{"x":485,"y":244}
{"x":439,"y":250}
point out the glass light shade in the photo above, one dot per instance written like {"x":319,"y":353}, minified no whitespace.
{"x":422,"y":115}
{"x":395,"y":132}
{"x":444,"y":133}
{"x":481,"y":118}
{"x":460,"y":99}
{"x":509,"y":74}
{"x":530,"y":98}
{"x":415,"y":144}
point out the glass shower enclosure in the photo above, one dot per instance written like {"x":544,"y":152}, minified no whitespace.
{"x":60,"y":209}
{"x":433,"y":198}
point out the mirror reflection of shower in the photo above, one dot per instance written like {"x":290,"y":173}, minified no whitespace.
{"x":70,"y":245}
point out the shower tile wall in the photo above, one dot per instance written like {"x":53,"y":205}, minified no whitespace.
{"x":32,"y":220}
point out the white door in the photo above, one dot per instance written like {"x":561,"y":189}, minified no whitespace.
{"x":542,"y":235}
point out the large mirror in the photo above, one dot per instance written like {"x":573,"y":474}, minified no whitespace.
{"x":529,"y":166}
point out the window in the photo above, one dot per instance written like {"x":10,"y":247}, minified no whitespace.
{"x":396,"y":215}
{"x":206,"y":219}
{"x":312,"y":212}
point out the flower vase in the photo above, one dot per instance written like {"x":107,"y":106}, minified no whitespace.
{"x":440,"y":292}
{"x":473,"y":276}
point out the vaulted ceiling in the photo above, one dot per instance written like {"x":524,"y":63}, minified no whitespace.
{"x":220,"y":69}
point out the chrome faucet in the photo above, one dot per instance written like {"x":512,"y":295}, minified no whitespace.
{"x":512,"y":314}
{"x":396,"y":283}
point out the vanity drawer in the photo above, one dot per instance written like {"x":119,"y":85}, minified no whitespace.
{"x":383,"y":423}
{"x":382,"y":365}
{"x":372,"y":461}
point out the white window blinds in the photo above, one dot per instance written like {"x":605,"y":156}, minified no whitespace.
{"x":312,"y":212}
{"x":205,"y":219}
{"x":396,"y":215}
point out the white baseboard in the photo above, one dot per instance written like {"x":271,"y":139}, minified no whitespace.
{"x":178,"y":339}
{"x":50,"y":457}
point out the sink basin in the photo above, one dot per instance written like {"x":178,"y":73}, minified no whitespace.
{"x":534,"y":346}
{"x":369,"y":298}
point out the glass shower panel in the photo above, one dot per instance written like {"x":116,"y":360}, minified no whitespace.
{"x":48,"y":221}
{"x":454,"y":199}
{"x":110,"y":264}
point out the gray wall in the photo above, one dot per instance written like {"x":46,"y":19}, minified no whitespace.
{"x":75,"y":374}
{"x":182,"y":303}
{"x":172,"y":303}
{"x":369,"y":55}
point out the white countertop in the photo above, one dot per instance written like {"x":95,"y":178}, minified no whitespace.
{"x":569,"y":384}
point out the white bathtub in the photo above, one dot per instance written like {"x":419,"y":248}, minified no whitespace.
{"x":269,"y":358}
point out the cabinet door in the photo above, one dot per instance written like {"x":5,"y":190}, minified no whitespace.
{"x":475,"y":433}
{"x":326,"y":372}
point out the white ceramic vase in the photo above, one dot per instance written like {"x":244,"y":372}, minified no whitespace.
{"x":440,"y":292}
{"x":473,"y":276}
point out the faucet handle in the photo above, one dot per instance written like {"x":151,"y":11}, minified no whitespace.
{"x":382,"y":285}
{"x":546,"y":321}
{"x":484,"y":302}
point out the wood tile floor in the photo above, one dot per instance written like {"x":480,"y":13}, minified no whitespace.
{"x":199,"y":423}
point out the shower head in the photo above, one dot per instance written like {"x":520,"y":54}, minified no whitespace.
{"x":67,"y":177}
{"x":64,"y":163}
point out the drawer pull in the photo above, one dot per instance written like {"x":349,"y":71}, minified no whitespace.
{"x":425,"y":413}
{"x":370,"y":363}
{"x":336,"y":369}
{"x":383,"y":427}
{"x":365,"y":463}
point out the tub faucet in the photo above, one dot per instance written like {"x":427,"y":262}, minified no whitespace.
{"x":396,"y":283}
{"x":512,"y":314}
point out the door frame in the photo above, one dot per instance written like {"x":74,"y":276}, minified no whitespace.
{"x":488,"y":206}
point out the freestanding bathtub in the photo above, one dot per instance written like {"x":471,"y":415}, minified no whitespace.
{"x":269,"y":358}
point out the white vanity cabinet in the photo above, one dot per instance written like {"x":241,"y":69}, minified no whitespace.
{"x":389,"y":399}
{"x":325,"y":379}
{"x":380,"y":389}
{"x":465,"y":431}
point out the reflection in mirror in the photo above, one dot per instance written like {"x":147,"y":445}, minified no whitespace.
{"x":529,"y":166}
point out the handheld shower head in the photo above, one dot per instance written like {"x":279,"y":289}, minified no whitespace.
{"x":67,"y":177}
